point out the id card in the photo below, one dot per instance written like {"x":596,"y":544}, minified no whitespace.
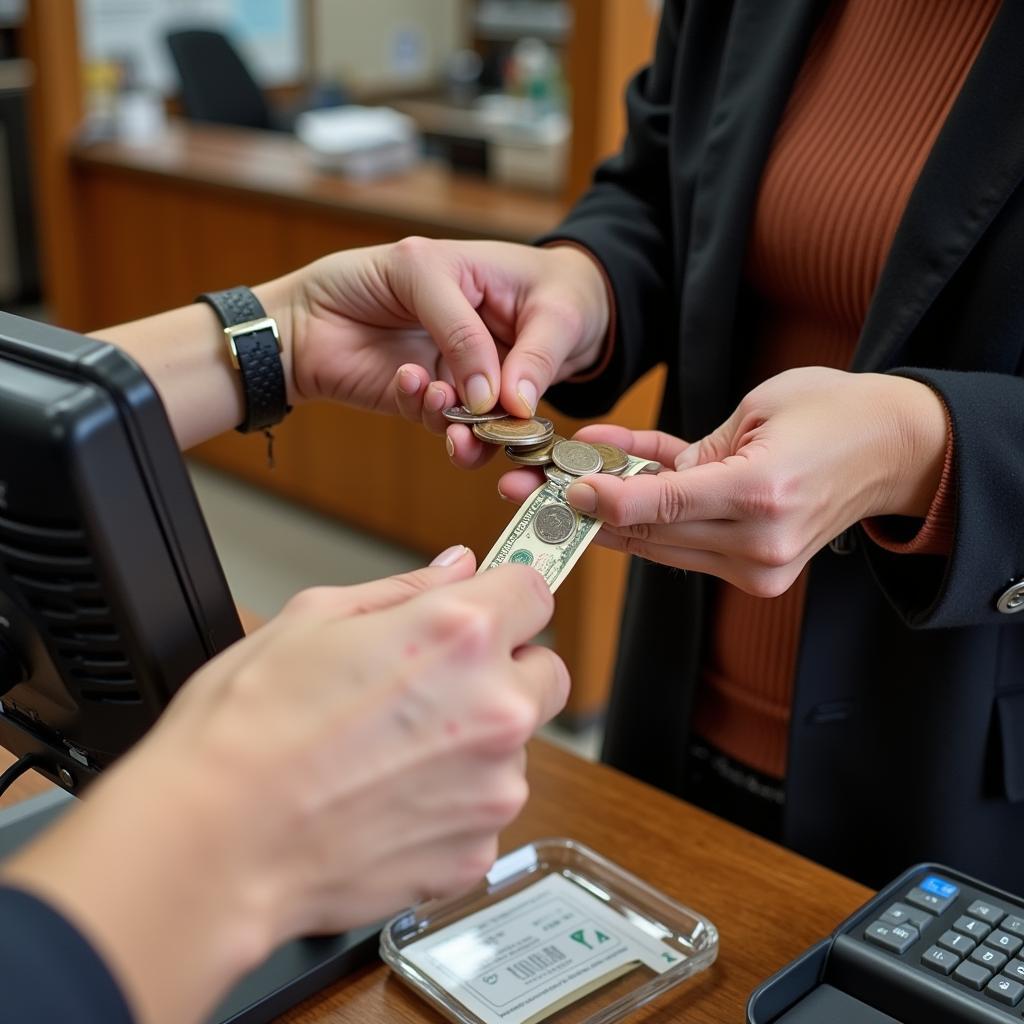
{"x":525,"y":957}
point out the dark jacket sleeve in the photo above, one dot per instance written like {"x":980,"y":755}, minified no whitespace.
{"x":48,"y":972}
{"x":988,"y":540}
{"x":624,"y":220}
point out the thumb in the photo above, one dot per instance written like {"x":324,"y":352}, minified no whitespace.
{"x":712,"y":448}
{"x":451,"y":566}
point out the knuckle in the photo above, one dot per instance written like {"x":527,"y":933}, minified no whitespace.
{"x":312,"y":601}
{"x":636,"y":547}
{"x":641,"y":532}
{"x":767,"y":583}
{"x":775,"y":552}
{"x":532,"y":584}
{"x":462,"y":340}
{"x":471,"y":627}
{"x":671,"y":502}
{"x":412,"y":249}
{"x":509,"y":721}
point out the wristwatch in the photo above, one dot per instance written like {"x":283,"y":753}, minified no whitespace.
{"x":255,"y":349}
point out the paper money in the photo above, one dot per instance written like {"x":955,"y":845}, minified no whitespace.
{"x":522,"y":541}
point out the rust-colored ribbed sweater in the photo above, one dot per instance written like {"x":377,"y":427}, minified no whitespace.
{"x":878,"y":81}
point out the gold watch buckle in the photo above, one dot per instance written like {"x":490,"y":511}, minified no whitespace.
{"x":250,"y":327}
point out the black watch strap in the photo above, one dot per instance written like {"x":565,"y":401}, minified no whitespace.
{"x":255,"y":349}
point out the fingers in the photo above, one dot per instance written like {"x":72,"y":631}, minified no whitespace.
{"x":655,"y":445}
{"x":451,"y":566}
{"x":545,"y":341}
{"x":704,"y":492}
{"x":465,"y":450}
{"x":544,"y":677}
{"x":421,"y":400}
{"x":459,"y":333}
{"x":514,"y":599}
{"x":518,"y":484}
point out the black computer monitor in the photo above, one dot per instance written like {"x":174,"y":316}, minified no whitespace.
{"x":111,"y":596}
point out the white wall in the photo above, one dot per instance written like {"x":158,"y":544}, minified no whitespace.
{"x":267,"y":32}
{"x":375,"y":45}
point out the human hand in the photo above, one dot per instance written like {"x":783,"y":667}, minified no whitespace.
{"x":500,"y":324}
{"x":357,"y":754}
{"x":805,"y":455}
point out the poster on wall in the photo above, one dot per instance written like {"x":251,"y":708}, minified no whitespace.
{"x":267,"y":33}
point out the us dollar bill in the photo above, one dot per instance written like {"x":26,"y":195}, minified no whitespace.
{"x":548,"y":534}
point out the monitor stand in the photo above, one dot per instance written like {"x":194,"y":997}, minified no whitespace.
{"x":294,"y":972}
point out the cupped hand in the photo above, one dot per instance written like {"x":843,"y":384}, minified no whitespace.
{"x":423,"y":324}
{"x":804,"y":456}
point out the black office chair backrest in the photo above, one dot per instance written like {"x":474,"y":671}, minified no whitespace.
{"x":215,"y":83}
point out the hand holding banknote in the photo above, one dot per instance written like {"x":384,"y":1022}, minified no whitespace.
{"x":804,"y":456}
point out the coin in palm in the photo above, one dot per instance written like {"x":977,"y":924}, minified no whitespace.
{"x":576,"y":457}
{"x":613,"y":459}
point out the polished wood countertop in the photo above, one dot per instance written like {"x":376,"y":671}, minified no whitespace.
{"x":430,"y":197}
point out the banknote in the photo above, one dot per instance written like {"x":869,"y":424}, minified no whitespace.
{"x":548,"y":534}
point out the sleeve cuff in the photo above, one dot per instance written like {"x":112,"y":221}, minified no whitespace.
{"x":608,"y":345}
{"x":932,"y":535}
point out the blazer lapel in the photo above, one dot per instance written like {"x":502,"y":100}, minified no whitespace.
{"x":764,"y":50}
{"x":975,"y":165}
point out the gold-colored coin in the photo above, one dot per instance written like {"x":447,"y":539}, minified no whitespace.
{"x":615,"y":460}
{"x":539,"y":456}
{"x":516,"y":433}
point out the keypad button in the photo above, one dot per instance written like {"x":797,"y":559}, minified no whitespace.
{"x":1006,"y":990}
{"x":898,"y":913}
{"x":896,"y":937}
{"x":1015,"y":968}
{"x":929,"y":901}
{"x":941,"y":960}
{"x":971,"y":926}
{"x":1013,"y":923}
{"x":940,"y":887}
{"x":957,"y":943}
{"x":1008,"y":943}
{"x":987,"y":912}
{"x":990,"y":958}
{"x":972,"y":975}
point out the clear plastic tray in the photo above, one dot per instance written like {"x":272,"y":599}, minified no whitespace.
{"x":561,"y":953}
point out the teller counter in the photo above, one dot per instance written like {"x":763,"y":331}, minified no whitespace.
{"x":210,"y":207}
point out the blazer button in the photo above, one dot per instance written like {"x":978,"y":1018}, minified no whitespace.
{"x":1012,"y":598}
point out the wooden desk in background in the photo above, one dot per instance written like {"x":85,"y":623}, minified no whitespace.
{"x":211,"y":207}
{"x":769,"y":904}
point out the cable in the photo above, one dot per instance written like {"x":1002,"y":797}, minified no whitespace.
{"x":16,"y":770}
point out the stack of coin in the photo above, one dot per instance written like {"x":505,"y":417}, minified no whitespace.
{"x":533,"y":442}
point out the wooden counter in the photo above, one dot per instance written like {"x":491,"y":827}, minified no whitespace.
{"x":211,"y":207}
{"x":768,"y":903}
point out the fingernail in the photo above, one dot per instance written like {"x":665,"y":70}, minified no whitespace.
{"x":449,"y":446}
{"x":449,"y":557}
{"x":582,"y":496}
{"x":478,"y":393}
{"x":408,"y":383}
{"x":435,"y":399}
{"x":528,"y":394}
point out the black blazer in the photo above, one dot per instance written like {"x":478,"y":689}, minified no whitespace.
{"x":907,"y":733}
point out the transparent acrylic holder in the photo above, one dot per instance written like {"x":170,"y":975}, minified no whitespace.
{"x":689,"y":940}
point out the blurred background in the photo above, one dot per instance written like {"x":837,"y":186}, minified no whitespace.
{"x":153,"y":149}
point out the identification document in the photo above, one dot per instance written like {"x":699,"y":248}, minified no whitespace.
{"x":523,"y":958}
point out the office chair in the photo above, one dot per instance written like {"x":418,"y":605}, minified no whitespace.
{"x":215,"y":83}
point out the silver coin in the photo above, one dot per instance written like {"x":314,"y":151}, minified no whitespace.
{"x":558,"y":476}
{"x":651,"y":467}
{"x":576,"y":457}
{"x":460,"y":414}
{"x":533,"y":456}
{"x":554,"y":524}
